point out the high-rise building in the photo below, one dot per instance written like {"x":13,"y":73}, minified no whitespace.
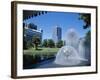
{"x":57,"y":34}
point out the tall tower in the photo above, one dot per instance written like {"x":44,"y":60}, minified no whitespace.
{"x":57,"y":34}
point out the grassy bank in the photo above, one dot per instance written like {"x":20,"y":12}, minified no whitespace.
{"x":41,"y":51}
{"x":32,"y":56}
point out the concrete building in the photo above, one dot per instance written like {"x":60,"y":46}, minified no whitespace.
{"x":30,"y":30}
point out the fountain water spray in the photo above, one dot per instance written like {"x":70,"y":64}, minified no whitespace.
{"x":73,"y":53}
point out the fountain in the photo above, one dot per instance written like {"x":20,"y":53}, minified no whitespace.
{"x":81,"y":48}
{"x":73,"y":53}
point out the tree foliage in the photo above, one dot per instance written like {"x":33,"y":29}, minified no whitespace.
{"x":88,"y":38}
{"x":60,"y":44}
{"x":27,"y":43}
{"x":24,"y":44}
{"x":45,"y":43}
{"x":51,"y":43}
{"x":27,"y":14}
{"x":36,"y":41}
{"x":87,"y":20}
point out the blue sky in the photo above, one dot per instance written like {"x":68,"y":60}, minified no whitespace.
{"x":65,"y":20}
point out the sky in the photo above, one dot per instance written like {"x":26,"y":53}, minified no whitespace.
{"x":65,"y":20}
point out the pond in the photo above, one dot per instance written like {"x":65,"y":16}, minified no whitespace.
{"x":49,"y":63}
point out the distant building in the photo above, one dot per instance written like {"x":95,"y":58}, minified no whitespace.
{"x":32,"y":26}
{"x":30,"y":30}
{"x":57,"y":34}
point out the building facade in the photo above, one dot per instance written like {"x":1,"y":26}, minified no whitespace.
{"x":57,"y":34}
{"x":30,"y":31}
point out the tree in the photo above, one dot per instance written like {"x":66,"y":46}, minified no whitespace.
{"x":24,"y":44}
{"x":24,"y":39}
{"x":36,"y":40}
{"x":27,"y":44}
{"x":86,"y":18}
{"x":45,"y":43}
{"x":60,"y":44}
{"x":88,"y":38}
{"x":51,"y":43}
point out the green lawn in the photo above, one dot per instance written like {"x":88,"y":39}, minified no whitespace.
{"x":32,"y":56}
{"x":41,"y":51}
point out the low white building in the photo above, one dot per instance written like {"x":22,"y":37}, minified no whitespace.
{"x":29,"y":33}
